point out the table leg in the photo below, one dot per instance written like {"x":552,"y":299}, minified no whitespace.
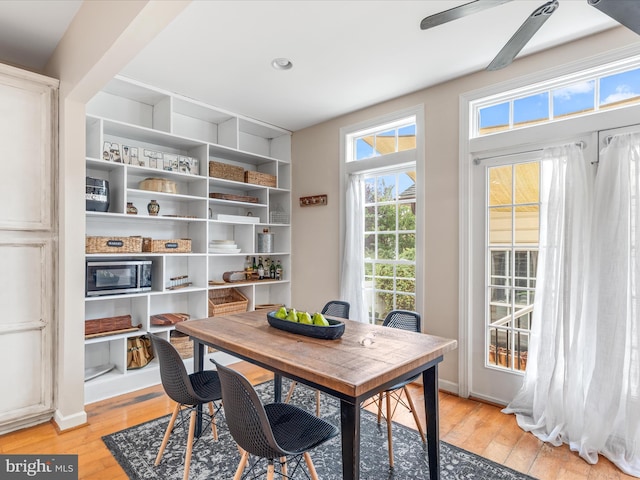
{"x":430,"y":388}
{"x":198,"y":366}
{"x":277,"y":387}
{"x":350,"y":428}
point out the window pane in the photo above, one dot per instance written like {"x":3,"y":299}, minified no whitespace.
{"x":527,"y":224}
{"x":370,"y":190}
{"x":369,"y":219}
{"x":406,"y":271}
{"x":406,"y":216}
{"x":386,"y":142}
{"x":520,"y":350}
{"x":500,"y":225}
{"x":532,"y":109}
{"x":407,"y":246}
{"x":370,"y":246}
{"x":408,"y":286}
{"x":368,"y":268}
{"x":364,"y":148}
{"x":386,"y":188}
{"x":405,"y":302}
{"x":500,"y":185}
{"x":387,"y":246}
{"x":386,"y":218}
{"x":494,"y":118}
{"x":621,"y":88}
{"x":574,"y":99}
{"x":407,"y":138}
{"x":384,"y":270}
{"x":527,"y":182}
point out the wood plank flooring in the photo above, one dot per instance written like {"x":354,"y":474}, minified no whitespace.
{"x":472,"y":425}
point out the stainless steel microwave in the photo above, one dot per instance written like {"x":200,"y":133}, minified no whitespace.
{"x":116,"y":277}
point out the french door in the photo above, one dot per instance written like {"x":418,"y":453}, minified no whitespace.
{"x":505,"y":238}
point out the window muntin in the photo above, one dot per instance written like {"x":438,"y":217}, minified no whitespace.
{"x":556,"y":100}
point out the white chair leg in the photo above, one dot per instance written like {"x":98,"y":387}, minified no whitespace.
{"x":167,"y":433}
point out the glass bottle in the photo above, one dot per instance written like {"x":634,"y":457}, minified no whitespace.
{"x":248,"y":268}
{"x":279,"y":271}
{"x":272,"y":270}
{"x":260,"y":269}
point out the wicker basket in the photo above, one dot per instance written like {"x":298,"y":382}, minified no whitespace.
{"x":224,"y":301}
{"x":180,"y":245}
{"x":235,"y":198}
{"x":226,"y":171}
{"x":113,"y":244}
{"x":259,"y":178}
{"x":183,"y":344}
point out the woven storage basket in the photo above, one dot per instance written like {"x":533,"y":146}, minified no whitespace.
{"x":259,"y":178}
{"x":184,"y":344}
{"x":180,"y":245}
{"x":224,"y":301}
{"x":113,"y":244}
{"x":226,"y":171}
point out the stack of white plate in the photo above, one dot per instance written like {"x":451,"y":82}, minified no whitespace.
{"x":223,"y":246}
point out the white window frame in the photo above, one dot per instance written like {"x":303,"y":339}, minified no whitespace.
{"x":513,"y":142}
{"x":381,"y":163}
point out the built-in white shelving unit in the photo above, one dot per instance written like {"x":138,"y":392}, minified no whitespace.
{"x":144,"y":117}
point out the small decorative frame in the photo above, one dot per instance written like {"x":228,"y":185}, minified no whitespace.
{"x":313,"y":200}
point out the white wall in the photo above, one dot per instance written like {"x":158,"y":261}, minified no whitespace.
{"x":316,"y":157}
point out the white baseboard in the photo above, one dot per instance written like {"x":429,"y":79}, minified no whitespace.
{"x":69,"y":421}
{"x":447,"y":386}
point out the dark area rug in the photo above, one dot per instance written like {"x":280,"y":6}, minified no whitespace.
{"x":135,"y":450}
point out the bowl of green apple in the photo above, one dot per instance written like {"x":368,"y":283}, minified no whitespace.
{"x":303,"y":323}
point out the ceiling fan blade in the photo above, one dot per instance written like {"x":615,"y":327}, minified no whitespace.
{"x":626,"y":12}
{"x":458,"y":12}
{"x":527,"y":30}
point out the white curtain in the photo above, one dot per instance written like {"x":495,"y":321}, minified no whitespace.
{"x":352,"y":280}
{"x":582,"y":384}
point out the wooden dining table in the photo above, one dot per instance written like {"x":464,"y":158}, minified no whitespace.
{"x":364,"y":361}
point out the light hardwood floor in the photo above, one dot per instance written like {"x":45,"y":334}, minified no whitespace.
{"x":472,"y":425}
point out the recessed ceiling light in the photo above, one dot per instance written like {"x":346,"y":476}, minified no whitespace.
{"x":281,"y":63}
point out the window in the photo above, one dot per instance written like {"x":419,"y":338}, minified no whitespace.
{"x":394,"y":137}
{"x":390,"y":243}
{"x":557,"y":100}
{"x":382,"y":165}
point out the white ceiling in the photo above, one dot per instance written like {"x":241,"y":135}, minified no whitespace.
{"x":346,"y":54}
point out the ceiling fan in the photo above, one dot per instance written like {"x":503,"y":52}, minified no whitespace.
{"x":625,"y":12}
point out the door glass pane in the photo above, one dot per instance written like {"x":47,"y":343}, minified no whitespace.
{"x":512,"y":248}
{"x":500,"y":227}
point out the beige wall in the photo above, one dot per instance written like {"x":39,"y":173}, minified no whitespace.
{"x":316,"y":167}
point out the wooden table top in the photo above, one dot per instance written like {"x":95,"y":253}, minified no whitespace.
{"x":343,"y":365}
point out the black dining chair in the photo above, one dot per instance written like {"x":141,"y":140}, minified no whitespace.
{"x":334,"y":308}
{"x":271,"y":431}
{"x":188,"y":391}
{"x":405,"y":320}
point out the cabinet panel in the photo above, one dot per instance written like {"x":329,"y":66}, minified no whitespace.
{"x":25,"y":147}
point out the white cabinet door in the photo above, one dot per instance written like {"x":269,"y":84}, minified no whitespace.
{"x":27,"y":248}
